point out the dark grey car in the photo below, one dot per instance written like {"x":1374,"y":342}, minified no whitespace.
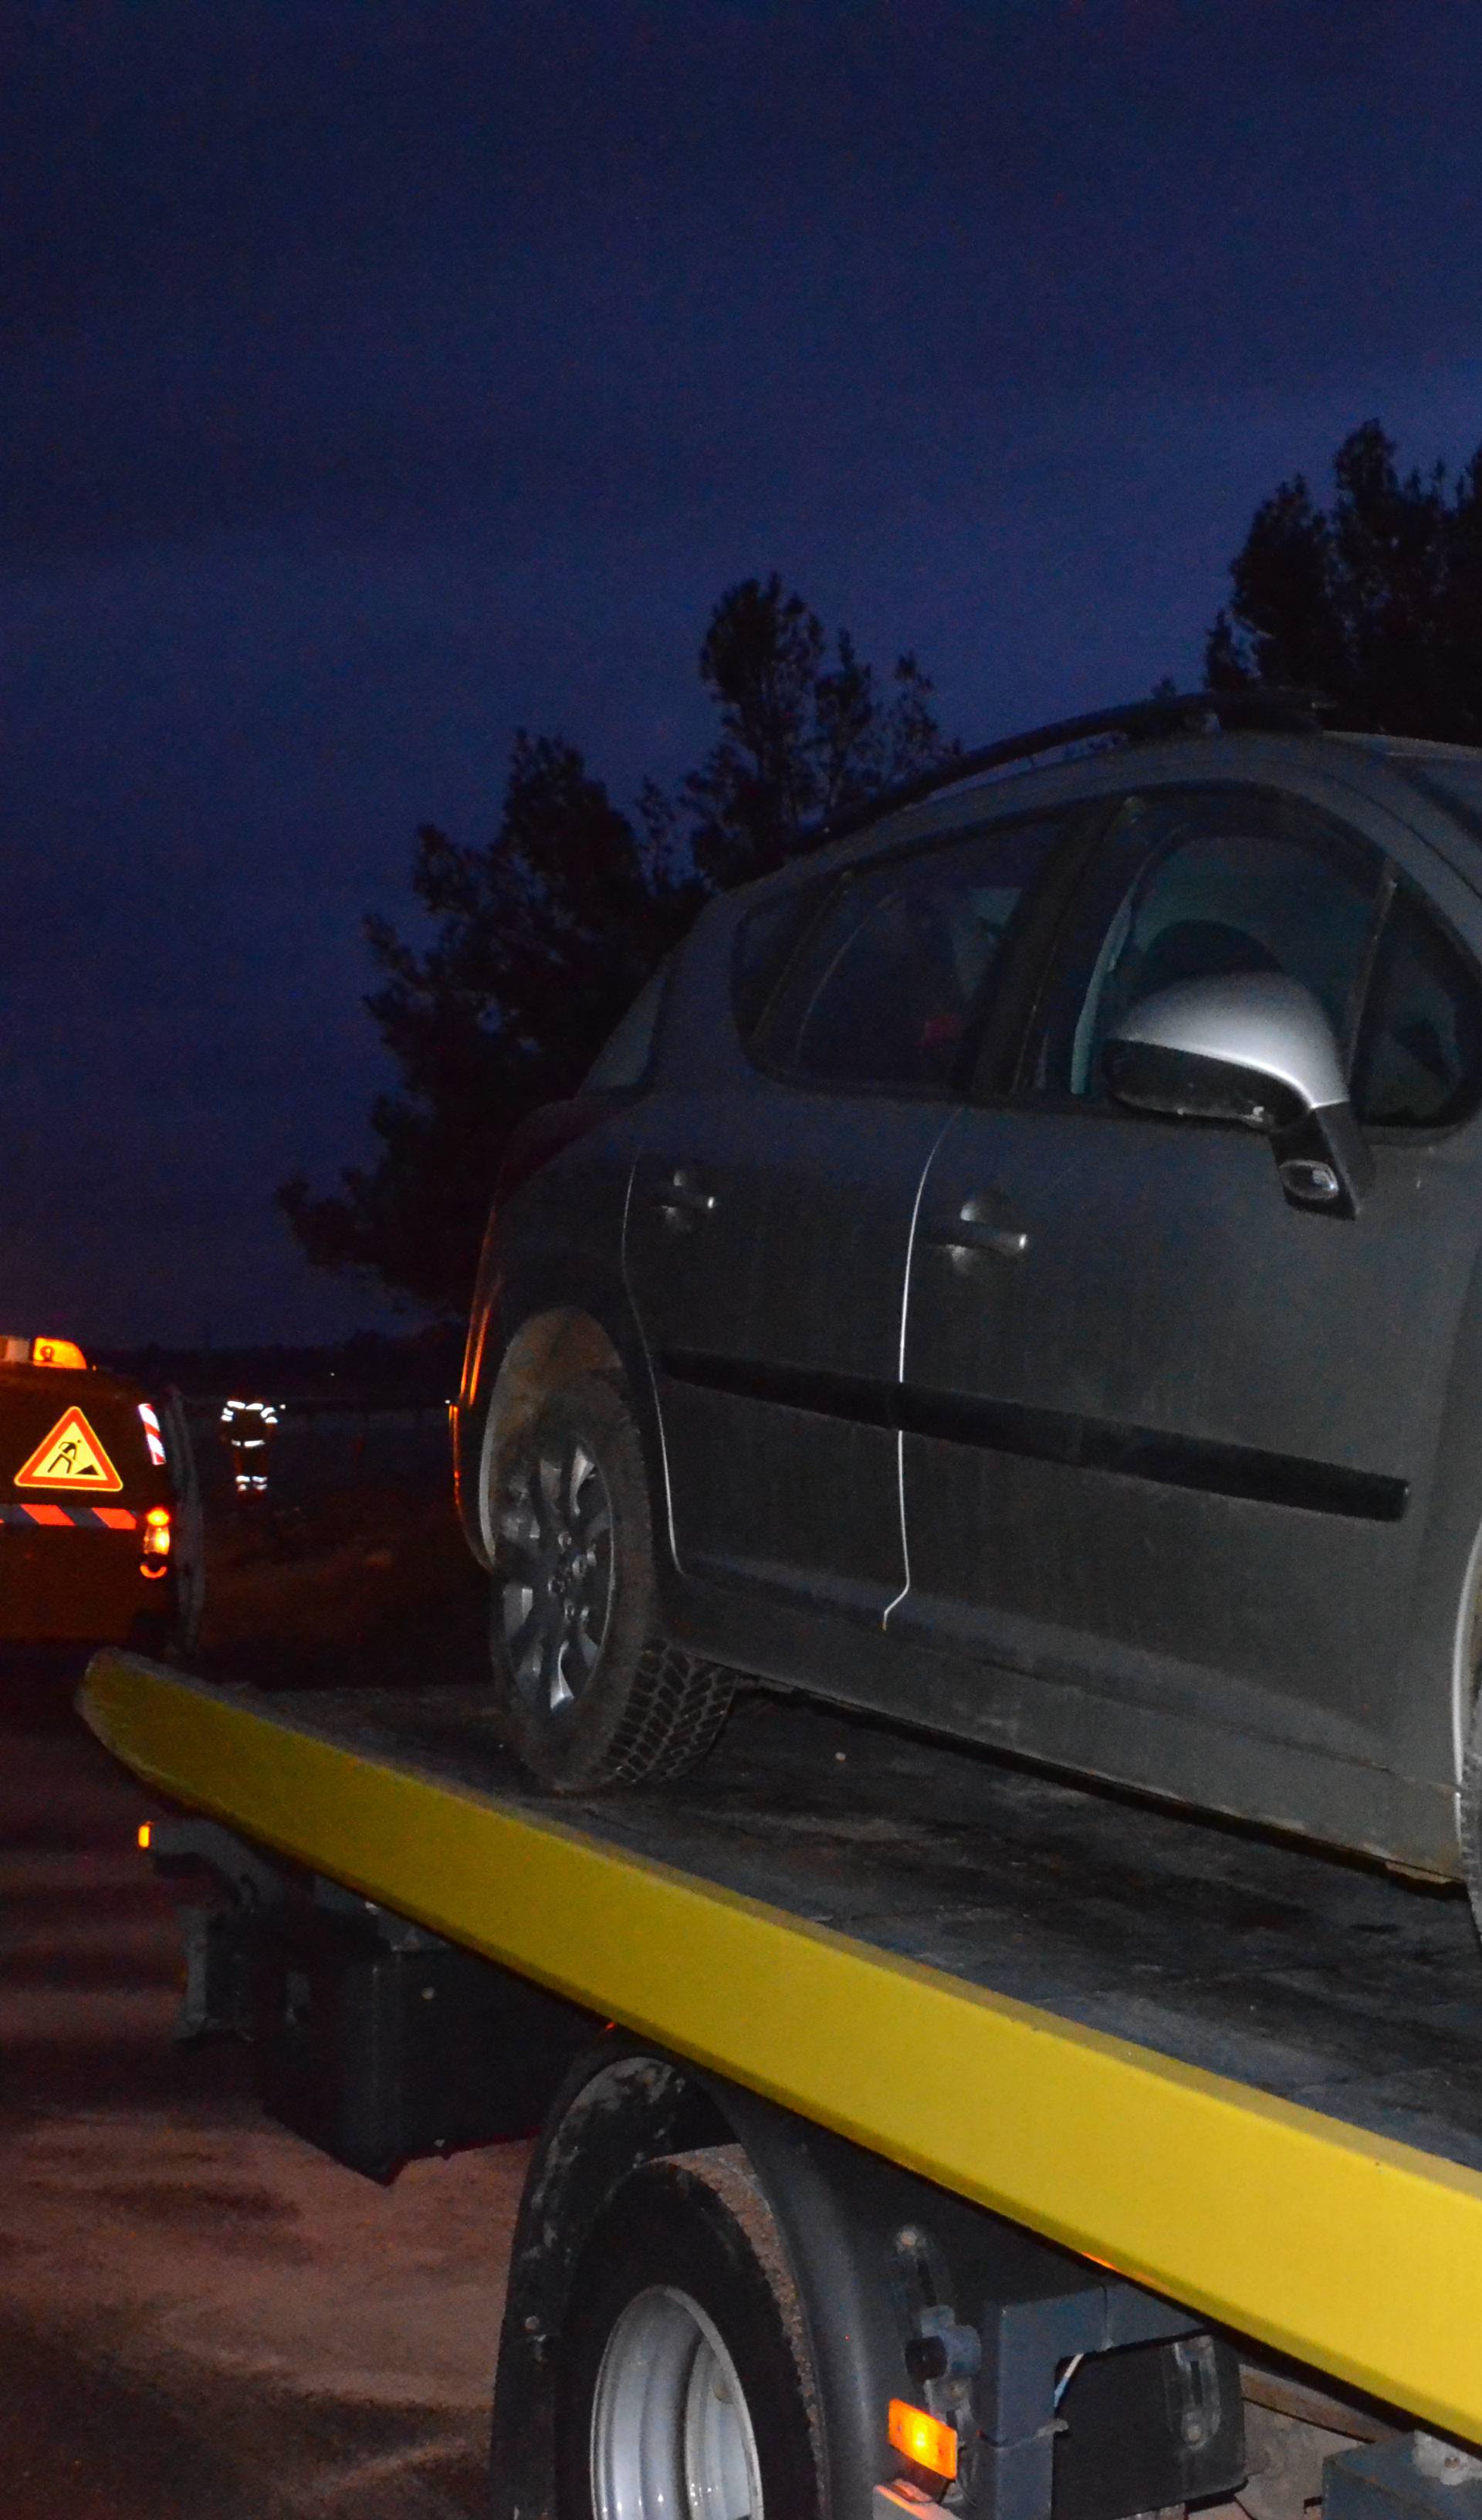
{"x":1017,"y":1269}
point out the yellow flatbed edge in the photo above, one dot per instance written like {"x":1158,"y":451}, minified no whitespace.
{"x":1358,"y":2253}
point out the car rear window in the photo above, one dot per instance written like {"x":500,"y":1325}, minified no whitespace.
{"x":896,"y":969}
{"x":624,"y":1059}
{"x":764,"y":942}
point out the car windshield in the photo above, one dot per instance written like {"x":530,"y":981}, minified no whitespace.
{"x":1453,"y":779}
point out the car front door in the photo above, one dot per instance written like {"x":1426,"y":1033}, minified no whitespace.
{"x":1169,"y":1438}
{"x":770,"y":1221}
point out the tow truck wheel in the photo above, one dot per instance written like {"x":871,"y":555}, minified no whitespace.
{"x":590,"y":1693}
{"x":684,"y":2386}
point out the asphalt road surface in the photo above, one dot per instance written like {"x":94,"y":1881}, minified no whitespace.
{"x":201,"y":2318}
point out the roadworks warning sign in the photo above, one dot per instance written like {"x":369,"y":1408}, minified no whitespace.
{"x":71,"y":1457}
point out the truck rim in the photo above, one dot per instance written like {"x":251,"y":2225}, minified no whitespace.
{"x":555,"y":1534}
{"x":671,"y":2431}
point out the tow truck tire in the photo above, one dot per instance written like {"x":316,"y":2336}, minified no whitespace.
{"x":591,"y":1694}
{"x":685,"y":2380}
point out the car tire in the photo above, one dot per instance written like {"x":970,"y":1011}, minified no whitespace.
{"x":685,"y":2380}
{"x":591,"y":1694}
{"x":1471,"y":1812}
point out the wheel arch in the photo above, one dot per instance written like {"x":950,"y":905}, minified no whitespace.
{"x":841,"y":2216}
{"x":554,"y":1328}
{"x":617,"y":2109}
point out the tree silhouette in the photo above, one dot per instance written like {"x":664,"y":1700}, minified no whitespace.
{"x":803,"y":741}
{"x":1376,"y":600}
{"x":542,"y":936}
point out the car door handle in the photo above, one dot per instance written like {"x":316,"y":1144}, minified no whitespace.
{"x":682,"y":1200}
{"x":981,"y":1225}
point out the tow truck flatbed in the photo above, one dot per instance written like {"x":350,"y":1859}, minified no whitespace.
{"x":1242,"y":2072}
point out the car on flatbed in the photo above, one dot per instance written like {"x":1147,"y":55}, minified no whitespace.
{"x":1016,"y":1269}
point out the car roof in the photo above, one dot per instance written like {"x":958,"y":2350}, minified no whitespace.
{"x":1371,"y":762}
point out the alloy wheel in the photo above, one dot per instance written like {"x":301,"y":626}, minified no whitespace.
{"x":557,"y":1570}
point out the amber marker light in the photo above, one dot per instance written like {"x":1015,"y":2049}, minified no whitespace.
{"x":919,"y":2437}
{"x":156,"y":1543}
{"x":63,"y":1352}
{"x":146,"y":1833}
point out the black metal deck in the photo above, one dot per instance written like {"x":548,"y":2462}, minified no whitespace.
{"x":1317,"y":1978}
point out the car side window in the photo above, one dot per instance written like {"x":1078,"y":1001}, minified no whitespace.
{"x":1204,"y":888}
{"x":894,"y":974}
{"x":1419,"y":1054}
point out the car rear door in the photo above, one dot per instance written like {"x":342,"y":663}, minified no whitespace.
{"x":1167,"y":1435}
{"x":770,"y":1221}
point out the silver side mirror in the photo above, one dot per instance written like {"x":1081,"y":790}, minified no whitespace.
{"x":1257,"y":1050}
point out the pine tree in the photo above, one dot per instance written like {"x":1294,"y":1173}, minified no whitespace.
{"x":542,"y":936}
{"x":1376,"y":600}
{"x":804,"y":740}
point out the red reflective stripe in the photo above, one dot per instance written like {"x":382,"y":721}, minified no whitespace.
{"x":82,"y":1517}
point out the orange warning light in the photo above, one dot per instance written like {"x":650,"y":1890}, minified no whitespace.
{"x":156,"y":1543}
{"x":63,"y":1352}
{"x":919,"y":2437}
{"x":146,"y":1833}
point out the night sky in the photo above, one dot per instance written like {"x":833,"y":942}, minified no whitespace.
{"x":381,"y":378}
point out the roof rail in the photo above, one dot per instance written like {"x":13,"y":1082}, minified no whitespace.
{"x":1272,"y":707}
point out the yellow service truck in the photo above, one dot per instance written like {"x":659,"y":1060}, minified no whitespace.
{"x":915,"y":2131}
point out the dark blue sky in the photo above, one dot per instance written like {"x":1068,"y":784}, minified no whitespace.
{"x":379,"y":379}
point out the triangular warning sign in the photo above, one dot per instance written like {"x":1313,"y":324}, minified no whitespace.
{"x":71,"y":1457}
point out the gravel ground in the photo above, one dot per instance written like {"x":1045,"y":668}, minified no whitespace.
{"x":203,"y":2319}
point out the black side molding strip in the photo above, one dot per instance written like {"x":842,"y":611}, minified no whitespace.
{"x":1054,"y":1435}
